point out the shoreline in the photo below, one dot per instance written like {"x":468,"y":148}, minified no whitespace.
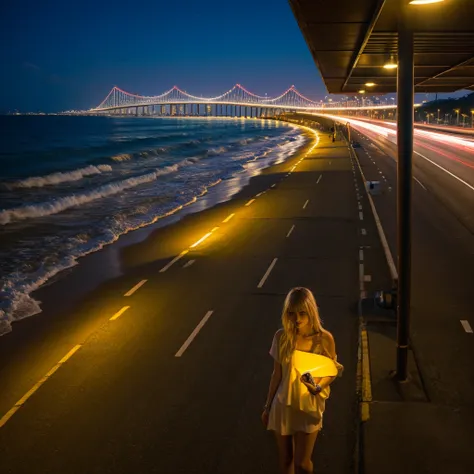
{"x":106,"y":264}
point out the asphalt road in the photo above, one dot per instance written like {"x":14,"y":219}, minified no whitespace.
{"x":443,"y":164}
{"x":442,"y":258}
{"x":124,"y":402}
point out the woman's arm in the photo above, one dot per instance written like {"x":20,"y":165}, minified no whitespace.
{"x":274,"y":383}
{"x":325,"y":382}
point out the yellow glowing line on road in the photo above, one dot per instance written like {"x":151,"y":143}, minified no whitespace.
{"x":228,"y":218}
{"x":175,"y":259}
{"x":70,"y":353}
{"x":201,"y":240}
{"x":135,"y":288}
{"x":364,"y":411}
{"x":37,"y":385}
{"x":119,"y":313}
{"x":366,"y":385}
{"x":250,"y":202}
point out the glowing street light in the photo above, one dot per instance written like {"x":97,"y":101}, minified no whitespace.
{"x":424,"y":2}
{"x":457,"y":112}
{"x":370,"y":84}
{"x":391,"y":64}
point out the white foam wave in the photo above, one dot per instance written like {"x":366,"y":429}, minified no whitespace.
{"x":216,"y":151}
{"x":15,"y":300}
{"x":122,"y":157}
{"x":58,"y":205}
{"x":60,"y":177}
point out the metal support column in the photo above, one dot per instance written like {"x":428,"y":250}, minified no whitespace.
{"x":405,"y":98}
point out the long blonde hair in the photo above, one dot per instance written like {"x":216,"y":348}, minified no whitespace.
{"x":298,"y":299}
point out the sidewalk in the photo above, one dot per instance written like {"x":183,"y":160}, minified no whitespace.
{"x":405,"y":432}
{"x":402,"y":430}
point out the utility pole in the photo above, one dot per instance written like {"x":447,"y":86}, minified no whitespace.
{"x":405,"y":99}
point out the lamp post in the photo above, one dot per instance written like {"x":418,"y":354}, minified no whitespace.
{"x":405,"y":116}
{"x":472,"y":118}
{"x":457,"y":118}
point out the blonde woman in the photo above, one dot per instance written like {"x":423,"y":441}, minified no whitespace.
{"x":296,"y":429}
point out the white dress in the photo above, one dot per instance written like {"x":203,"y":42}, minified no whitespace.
{"x":286,"y":416}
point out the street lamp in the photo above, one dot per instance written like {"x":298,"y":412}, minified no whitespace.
{"x":390,"y":64}
{"x":424,"y":2}
{"x":457,"y":119}
{"x":472,"y":118}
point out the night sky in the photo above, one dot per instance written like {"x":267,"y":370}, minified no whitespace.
{"x":58,"y":55}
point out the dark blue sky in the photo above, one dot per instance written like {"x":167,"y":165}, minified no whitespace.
{"x":59,"y":55}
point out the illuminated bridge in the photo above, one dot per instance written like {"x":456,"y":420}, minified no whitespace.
{"x":237,"y":101}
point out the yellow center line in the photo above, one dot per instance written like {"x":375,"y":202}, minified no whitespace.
{"x":135,"y":288}
{"x":201,"y":240}
{"x":119,"y":313}
{"x":250,"y":202}
{"x":228,"y":218}
{"x":175,"y":259}
{"x":36,"y":386}
{"x":70,"y":353}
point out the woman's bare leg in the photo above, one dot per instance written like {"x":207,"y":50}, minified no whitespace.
{"x":285,"y":453}
{"x":304,"y":445}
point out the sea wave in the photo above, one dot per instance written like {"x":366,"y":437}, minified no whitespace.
{"x":59,"y":177}
{"x":217,"y":151}
{"x":122,"y":157}
{"x":55,"y":206}
{"x":15,"y":300}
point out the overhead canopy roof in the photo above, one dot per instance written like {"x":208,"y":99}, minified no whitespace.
{"x":350,"y":41}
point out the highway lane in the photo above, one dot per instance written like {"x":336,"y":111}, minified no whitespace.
{"x":443,"y":163}
{"x":443,"y":268}
{"x":124,"y":400}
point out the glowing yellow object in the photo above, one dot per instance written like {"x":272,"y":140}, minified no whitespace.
{"x":317,"y":365}
{"x":424,"y":2}
{"x":201,"y":240}
{"x":370,"y":84}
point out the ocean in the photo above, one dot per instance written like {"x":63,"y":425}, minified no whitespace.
{"x":70,"y":185}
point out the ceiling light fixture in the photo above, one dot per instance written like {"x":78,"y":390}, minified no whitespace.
{"x":370,"y":84}
{"x":391,"y":64}
{"x":362,"y":91}
{"x":424,"y":2}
